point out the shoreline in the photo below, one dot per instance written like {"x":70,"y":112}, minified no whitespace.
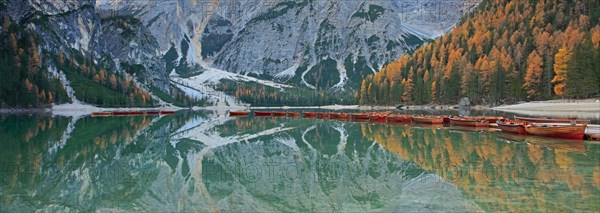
{"x":586,"y":105}
{"x":79,"y":109}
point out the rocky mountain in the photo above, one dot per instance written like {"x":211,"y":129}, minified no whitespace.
{"x":322,"y":45}
{"x":318,"y":44}
{"x":122,"y":45}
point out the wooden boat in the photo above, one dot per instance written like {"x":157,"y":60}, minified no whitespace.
{"x":101,"y":114}
{"x":279,"y":114}
{"x":322,"y":115}
{"x":380,"y":118}
{"x":490,"y":119}
{"x":293,"y":114}
{"x":231,"y":113}
{"x":574,"y":132}
{"x":152,"y":112}
{"x":260,"y":114}
{"x":399,"y":118}
{"x":428,"y":119}
{"x":335,"y":115}
{"x":339,"y":116}
{"x":359,"y":116}
{"x":344,"y":116}
{"x":309,"y":114}
{"x":512,"y":126}
{"x":127,"y":113}
{"x":553,"y":120}
{"x":167,"y":112}
{"x":470,"y":122}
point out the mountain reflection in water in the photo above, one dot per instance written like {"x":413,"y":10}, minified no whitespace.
{"x":210,"y":162}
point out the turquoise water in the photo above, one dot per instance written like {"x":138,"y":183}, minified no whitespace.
{"x":206,"y":161}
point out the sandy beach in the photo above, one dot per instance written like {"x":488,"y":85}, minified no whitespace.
{"x":589,"y":105}
{"x":587,"y":109}
{"x":78,"y":109}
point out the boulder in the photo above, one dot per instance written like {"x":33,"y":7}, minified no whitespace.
{"x":464,"y":102}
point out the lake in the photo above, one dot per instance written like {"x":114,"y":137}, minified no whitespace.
{"x":207,"y":161}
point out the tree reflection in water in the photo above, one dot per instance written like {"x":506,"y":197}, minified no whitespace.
{"x":201,"y":161}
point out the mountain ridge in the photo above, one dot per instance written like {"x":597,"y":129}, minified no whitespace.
{"x":323,"y":46}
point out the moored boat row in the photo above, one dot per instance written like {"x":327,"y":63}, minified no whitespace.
{"x":566,"y":128}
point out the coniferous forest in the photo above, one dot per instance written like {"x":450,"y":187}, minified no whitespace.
{"x":503,"y":52}
{"x":24,"y":80}
{"x":26,"y":83}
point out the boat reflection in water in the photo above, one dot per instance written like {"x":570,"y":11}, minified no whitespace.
{"x":552,"y":143}
{"x":210,"y":162}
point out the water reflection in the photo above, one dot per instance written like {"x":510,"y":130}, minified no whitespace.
{"x":210,"y":162}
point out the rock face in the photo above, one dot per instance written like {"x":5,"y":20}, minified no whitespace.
{"x":464,"y":102}
{"x":76,"y":28}
{"x":133,"y":48}
{"x":319,"y":44}
{"x":328,"y":45}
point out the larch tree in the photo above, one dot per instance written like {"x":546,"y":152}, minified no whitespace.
{"x":408,"y":87}
{"x":362,"y":93}
{"x":433,"y":92}
{"x":596,"y":36}
{"x":561,"y":65}
{"x":371,"y":93}
{"x":533,"y":78}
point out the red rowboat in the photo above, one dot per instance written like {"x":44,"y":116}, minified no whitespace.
{"x":101,"y":113}
{"x":461,"y":121}
{"x":344,"y":116}
{"x":309,"y":114}
{"x":428,"y":119}
{"x":552,"y":120}
{"x":124,"y":113}
{"x":399,"y":118}
{"x":238,"y":113}
{"x":258,"y":114}
{"x":359,"y":116}
{"x":293,"y":114}
{"x":166,"y":112}
{"x":380,"y":118}
{"x":334,"y":115}
{"x":512,"y":126}
{"x":152,"y":112}
{"x":279,"y":114}
{"x":323,"y":115}
{"x":575,"y":132}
